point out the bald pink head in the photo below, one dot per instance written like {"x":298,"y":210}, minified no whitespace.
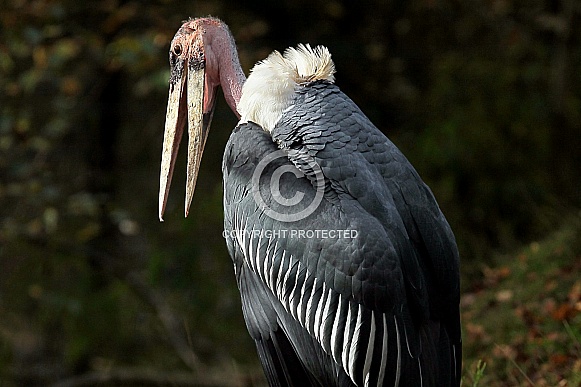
{"x":202,"y":57}
{"x":208,"y":42}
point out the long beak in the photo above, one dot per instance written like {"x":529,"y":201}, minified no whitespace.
{"x":185,"y":99}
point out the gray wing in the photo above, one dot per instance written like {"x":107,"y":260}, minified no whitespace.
{"x":288,"y":352}
{"x":362,"y":164}
{"x":363,"y":302}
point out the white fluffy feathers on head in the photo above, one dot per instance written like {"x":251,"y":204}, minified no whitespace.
{"x":271,"y":83}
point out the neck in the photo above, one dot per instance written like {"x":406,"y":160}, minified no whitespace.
{"x":221,"y":54}
{"x":232,"y":78}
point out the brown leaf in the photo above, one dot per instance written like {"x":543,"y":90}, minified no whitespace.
{"x":563,"y":312}
{"x":559,"y":359}
{"x":494,"y":275}
{"x":476,"y":332}
{"x":503,"y":271}
{"x":504,"y":350}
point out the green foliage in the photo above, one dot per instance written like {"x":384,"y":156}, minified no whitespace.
{"x":523,"y":318}
{"x":483,"y":97}
{"x":478,"y":374}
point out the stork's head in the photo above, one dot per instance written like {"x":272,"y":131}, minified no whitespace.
{"x":197,"y":55}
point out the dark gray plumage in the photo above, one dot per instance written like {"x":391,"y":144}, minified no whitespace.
{"x":378,"y":309}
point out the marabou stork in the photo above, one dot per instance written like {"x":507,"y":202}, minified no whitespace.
{"x":374,"y":303}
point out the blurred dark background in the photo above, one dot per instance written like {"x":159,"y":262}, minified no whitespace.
{"x":483,"y":97}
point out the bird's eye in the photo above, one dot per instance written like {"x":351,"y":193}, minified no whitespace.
{"x":177,"y":49}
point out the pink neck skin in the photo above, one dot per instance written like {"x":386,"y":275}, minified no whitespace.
{"x":222,"y":66}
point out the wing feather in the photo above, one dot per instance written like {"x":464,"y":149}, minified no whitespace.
{"x":364,"y":302}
